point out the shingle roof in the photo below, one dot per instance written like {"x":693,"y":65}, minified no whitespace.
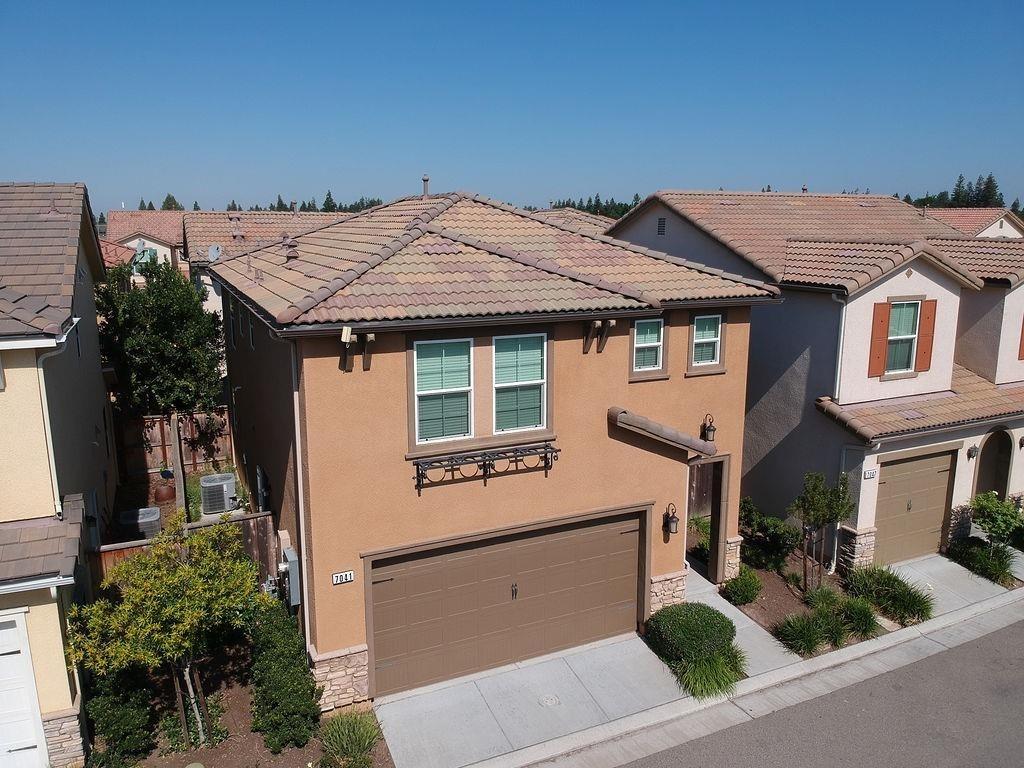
{"x":971,"y":221}
{"x":114,"y":253}
{"x":854,"y":266}
{"x":970,"y":399}
{"x":995,"y":259}
{"x":574,"y":217}
{"x":165,"y":226}
{"x":460,"y":255}
{"x":40,"y":225}
{"x":240,"y":231}
{"x":759,"y":225}
{"x":31,"y":549}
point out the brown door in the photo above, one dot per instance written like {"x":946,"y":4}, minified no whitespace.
{"x":913,"y":501}
{"x":452,"y":611}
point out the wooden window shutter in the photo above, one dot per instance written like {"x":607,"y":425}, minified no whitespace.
{"x":1020,"y":350}
{"x":879,"y":339}
{"x":925,"y":336}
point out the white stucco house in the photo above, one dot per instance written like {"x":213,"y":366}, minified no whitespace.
{"x":982,"y":222}
{"x":156,"y":236}
{"x":896,"y":356}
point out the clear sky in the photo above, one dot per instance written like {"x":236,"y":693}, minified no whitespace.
{"x":518,"y":100}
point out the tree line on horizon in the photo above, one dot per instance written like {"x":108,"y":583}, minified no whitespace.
{"x":310,"y":206}
{"x":594,"y":204}
{"x":983,"y":193}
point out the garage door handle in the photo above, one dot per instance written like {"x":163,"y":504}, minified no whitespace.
{"x":515,"y":590}
{"x":910,"y":504}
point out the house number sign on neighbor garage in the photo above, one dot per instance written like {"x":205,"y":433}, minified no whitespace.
{"x":345,"y":577}
{"x":870,"y":474}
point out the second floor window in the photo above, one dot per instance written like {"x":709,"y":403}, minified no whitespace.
{"x":647,"y":345}
{"x":520,"y":381}
{"x":444,"y":390}
{"x":902,"y":343}
{"x":707,"y":339}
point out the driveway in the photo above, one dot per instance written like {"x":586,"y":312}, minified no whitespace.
{"x":481,"y":716}
{"x":951,"y":585}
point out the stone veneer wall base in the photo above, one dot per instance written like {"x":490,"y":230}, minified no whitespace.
{"x":344,"y":677}
{"x":732,"y":557}
{"x":64,"y":743}
{"x":856,"y":548}
{"x":668,"y":589}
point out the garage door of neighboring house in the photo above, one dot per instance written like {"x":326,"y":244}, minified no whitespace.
{"x":452,"y":611}
{"x":913,"y":500}
{"x":21,"y":730}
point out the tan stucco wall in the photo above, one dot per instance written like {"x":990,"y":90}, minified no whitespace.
{"x":360,"y":485}
{"x":25,"y":487}
{"x":46,"y":642}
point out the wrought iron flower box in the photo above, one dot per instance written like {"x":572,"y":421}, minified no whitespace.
{"x":484,"y":464}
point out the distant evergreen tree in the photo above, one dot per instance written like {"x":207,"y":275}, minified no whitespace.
{"x":103,"y":217}
{"x":170,"y":203}
{"x":329,"y":205}
{"x":1014,"y":206}
{"x":149,"y":206}
{"x":359,"y":205}
{"x":233,"y":206}
{"x":303,"y":208}
{"x":991,"y":197}
{"x":142,"y":204}
{"x":195,"y":206}
{"x":960,"y":198}
{"x":908,"y":199}
{"x":311,"y":205}
{"x":280,"y":205}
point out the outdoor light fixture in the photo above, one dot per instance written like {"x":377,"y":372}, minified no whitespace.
{"x":708,"y":428}
{"x":671,"y":524}
{"x":1020,"y":443}
{"x":972,"y":452}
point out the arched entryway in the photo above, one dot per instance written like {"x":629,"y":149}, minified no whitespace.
{"x":994,"y":463}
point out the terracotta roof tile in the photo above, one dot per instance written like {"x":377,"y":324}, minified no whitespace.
{"x":240,"y":231}
{"x":970,"y":221}
{"x":115,"y":253}
{"x":574,"y":217}
{"x":970,"y":399}
{"x":31,"y":549}
{"x":996,"y":259}
{"x":165,"y":226}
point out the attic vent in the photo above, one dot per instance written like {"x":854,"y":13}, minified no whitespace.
{"x":661,"y":225}
{"x":728,"y":202}
{"x":866,"y":204}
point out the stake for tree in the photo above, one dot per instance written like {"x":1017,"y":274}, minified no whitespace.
{"x":187,"y":739}
{"x":202,"y":698}
{"x":195,"y":707}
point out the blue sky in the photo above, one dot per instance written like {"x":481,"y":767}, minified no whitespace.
{"x":522,"y":101}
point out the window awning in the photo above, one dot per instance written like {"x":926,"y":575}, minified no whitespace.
{"x":620,"y":417}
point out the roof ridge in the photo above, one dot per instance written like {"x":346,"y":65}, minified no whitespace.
{"x":755,"y":193}
{"x":546,"y":265}
{"x":678,"y":261}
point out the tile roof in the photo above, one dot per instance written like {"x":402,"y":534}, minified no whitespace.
{"x":759,"y":225}
{"x":574,"y":217}
{"x":990,"y":258}
{"x":32,"y":549}
{"x":240,"y":231}
{"x":970,"y":399}
{"x":663,"y":433}
{"x":971,"y":221}
{"x":40,"y":225}
{"x":165,"y":226}
{"x":115,"y":253}
{"x":461,"y":255}
{"x":854,"y":266}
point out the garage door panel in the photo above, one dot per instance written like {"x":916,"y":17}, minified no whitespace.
{"x":913,"y":502}
{"x":448,"y":613}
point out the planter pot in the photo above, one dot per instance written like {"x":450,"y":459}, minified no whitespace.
{"x":164,"y":493}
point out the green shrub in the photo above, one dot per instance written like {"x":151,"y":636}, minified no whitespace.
{"x":896,"y":598}
{"x":831,"y":624}
{"x":859,"y":617}
{"x":991,"y":561}
{"x":793,"y":578}
{"x":996,"y":517}
{"x":822,"y":597}
{"x":285,"y":698}
{"x":767,"y":540}
{"x":122,"y":716}
{"x":801,"y":633}
{"x":348,"y":739}
{"x":742,"y":589}
{"x":715,"y":675}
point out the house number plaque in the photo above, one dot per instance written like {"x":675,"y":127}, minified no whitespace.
{"x":345,"y":577}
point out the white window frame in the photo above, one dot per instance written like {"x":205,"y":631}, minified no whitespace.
{"x":717,"y":340}
{"x":495,"y":386}
{"x":660,"y":345}
{"x":451,"y":390}
{"x":889,"y":337}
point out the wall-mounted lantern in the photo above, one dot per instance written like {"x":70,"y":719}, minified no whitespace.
{"x":972,"y":452}
{"x":671,"y":524}
{"x":708,"y":428}
{"x":1020,"y":443}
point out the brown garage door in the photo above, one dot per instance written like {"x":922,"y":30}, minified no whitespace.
{"x":452,"y":611}
{"x":913,"y":499}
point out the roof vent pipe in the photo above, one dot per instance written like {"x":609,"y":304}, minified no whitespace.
{"x":426,"y":185}
{"x":804,"y":189}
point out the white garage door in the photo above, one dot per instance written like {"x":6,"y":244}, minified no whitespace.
{"x":21,"y":731}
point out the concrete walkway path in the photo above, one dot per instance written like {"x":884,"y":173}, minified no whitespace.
{"x":951,"y":585}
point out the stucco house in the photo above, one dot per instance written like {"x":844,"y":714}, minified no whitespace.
{"x":57,"y":466}
{"x":981,"y":222}
{"x":481,"y":431}
{"x":154,"y":235}
{"x":889,"y":359}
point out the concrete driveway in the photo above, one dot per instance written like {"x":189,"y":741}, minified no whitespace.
{"x":461,"y":722}
{"x":951,"y":585}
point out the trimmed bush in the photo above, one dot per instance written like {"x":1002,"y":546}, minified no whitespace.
{"x":742,"y":589}
{"x":348,"y":739}
{"x":696,"y":642}
{"x":285,"y":698}
{"x":801,"y":633}
{"x":767,"y":540}
{"x":991,"y":561}
{"x":860,"y":617}
{"x":831,"y":625}
{"x":122,"y":717}
{"x":893,"y":595}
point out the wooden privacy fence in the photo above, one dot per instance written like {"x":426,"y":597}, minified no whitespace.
{"x":145,"y":442}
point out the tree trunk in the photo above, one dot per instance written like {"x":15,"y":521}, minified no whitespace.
{"x":806,"y":539}
{"x":178,"y":462}
{"x":202,"y":698}
{"x":187,"y":738}
{"x":195,"y":707}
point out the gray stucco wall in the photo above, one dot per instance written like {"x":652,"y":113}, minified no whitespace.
{"x":980,"y":322}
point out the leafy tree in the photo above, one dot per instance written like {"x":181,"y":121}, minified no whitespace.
{"x":329,"y":205}
{"x":998,"y":518}
{"x":818,"y":506}
{"x":142,"y":204}
{"x":171,"y":203}
{"x":195,"y":206}
{"x":164,"y":607}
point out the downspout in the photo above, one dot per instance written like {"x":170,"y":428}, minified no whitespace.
{"x":302,"y":497}
{"x":58,"y":509}
{"x":835,"y":396}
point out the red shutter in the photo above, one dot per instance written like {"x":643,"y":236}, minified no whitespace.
{"x":925,"y":336}
{"x":879,"y":339}
{"x":1020,"y":350}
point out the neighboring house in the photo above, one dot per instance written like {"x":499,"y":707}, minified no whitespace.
{"x":156,"y":236}
{"x":590,"y":223}
{"x":481,"y":432}
{"x":57,"y":466}
{"x":115,"y":254}
{"x":981,"y":222}
{"x":862,"y":368}
{"x":230,"y":233}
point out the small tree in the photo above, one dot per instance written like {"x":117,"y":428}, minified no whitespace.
{"x":998,"y":518}
{"x":164,"y":606}
{"x":817,"y":507}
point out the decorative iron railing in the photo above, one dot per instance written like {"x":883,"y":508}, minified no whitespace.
{"x":453,"y":467}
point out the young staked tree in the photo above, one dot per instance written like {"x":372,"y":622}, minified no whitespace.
{"x":163,"y":608}
{"x":817,"y":507}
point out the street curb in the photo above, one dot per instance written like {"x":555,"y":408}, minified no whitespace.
{"x":563,"y":746}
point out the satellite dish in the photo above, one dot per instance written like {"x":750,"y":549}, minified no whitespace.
{"x":213,"y":252}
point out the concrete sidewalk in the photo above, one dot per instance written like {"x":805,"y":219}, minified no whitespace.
{"x":951,"y":585}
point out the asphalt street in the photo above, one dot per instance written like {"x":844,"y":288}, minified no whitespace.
{"x":962,"y":708}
